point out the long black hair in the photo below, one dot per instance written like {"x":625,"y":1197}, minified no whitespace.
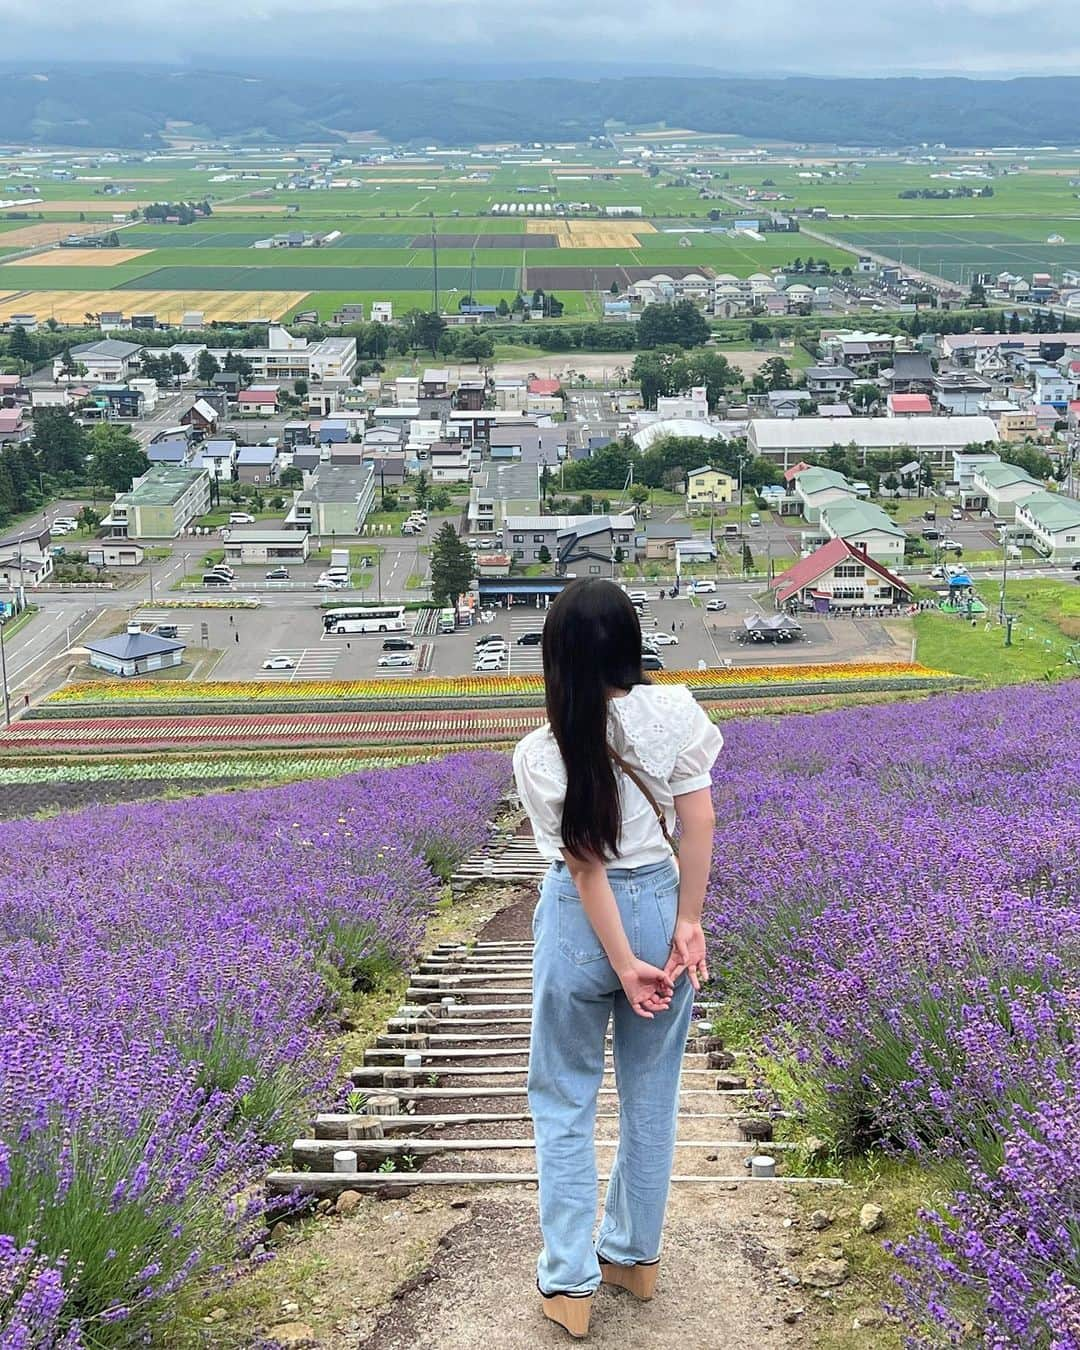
{"x":592,"y":645}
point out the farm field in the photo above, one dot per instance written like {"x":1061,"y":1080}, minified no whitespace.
{"x":72,"y":306}
{"x":382,"y":251}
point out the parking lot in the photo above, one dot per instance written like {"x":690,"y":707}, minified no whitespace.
{"x":291,"y":633}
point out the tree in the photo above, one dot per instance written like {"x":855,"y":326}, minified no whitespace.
{"x":116,"y":456}
{"x":543,"y":554}
{"x":239,"y":365}
{"x":775,"y":373}
{"x":680,"y":324}
{"x":300,"y":387}
{"x":760,"y":332}
{"x":502,"y":309}
{"x":88,"y":518}
{"x":1030,"y":459}
{"x":68,"y":366}
{"x":291,"y":477}
{"x":421,"y":490}
{"x":21,"y":346}
{"x":60,"y":444}
{"x":179,"y":366}
{"x":424,"y":330}
{"x":614,"y":288}
{"x":206,"y":366}
{"x":475,"y":346}
{"x":865,"y":395}
{"x":451,"y":566}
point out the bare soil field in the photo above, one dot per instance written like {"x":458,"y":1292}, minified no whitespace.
{"x":81,"y":257}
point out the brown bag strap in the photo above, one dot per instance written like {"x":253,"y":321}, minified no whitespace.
{"x":642,"y":787}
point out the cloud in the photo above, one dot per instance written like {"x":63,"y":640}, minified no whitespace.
{"x":828,"y":37}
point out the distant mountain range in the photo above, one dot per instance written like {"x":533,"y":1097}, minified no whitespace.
{"x":131,"y":106}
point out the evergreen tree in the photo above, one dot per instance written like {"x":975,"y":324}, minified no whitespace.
{"x":451,"y":566}
{"x":116,"y":457}
{"x":21,"y":346}
{"x":59,"y":443}
{"x":206,"y":366}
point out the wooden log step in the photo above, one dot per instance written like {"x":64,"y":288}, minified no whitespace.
{"x":318,"y":1154}
{"x":434,"y":1058}
{"x":336,"y":1126}
{"x":390,"y":1039}
{"x":422,"y":994}
{"x":333,"y":1183}
{"x":407,"y":1094}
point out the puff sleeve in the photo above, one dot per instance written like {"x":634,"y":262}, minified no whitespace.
{"x":541,"y":784}
{"x":697,"y":754}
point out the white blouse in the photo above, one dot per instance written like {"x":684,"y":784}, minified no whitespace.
{"x":663,"y":733}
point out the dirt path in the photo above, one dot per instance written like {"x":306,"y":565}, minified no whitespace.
{"x":451,"y":1267}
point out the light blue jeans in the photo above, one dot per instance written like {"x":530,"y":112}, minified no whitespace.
{"x":575,"y":995}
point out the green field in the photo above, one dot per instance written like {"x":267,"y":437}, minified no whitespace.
{"x":378,"y":222}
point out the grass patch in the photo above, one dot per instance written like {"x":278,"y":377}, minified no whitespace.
{"x":1046,"y":626}
{"x":20,"y":621}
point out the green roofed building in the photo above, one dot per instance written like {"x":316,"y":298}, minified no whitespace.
{"x":160,"y":504}
{"x":868,"y":526}
{"x":1053,"y":522}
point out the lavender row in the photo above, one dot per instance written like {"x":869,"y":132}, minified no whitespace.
{"x":897,"y":901}
{"x":169,"y":974}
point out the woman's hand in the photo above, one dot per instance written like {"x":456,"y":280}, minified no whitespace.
{"x":688,"y":953}
{"x":648,"y":989}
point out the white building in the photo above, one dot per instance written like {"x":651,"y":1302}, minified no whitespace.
{"x":1053,"y":522}
{"x":999,"y":487}
{"x":109,"y":361}
{"x":693,"y":405}
{"x":866,"y":526}
{"x":934,"y":439}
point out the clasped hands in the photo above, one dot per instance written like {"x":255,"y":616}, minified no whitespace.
{"x":648,"y":989}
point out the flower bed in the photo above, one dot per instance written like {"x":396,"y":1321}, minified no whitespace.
{"x":898,"y":905}
{"x":465,"y":686}
{"x":309,"y":765}
{"x":168,"y":976}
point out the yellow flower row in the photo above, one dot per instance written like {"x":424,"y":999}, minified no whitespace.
{"x":464,"y":686}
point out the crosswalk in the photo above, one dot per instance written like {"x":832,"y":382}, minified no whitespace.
{"x":149,"y":618}
{"x":525,"y":660}
{"x":312,"y":663}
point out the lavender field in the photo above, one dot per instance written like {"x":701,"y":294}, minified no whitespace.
{"x":898,"y":905}
{"x":170,"y":978}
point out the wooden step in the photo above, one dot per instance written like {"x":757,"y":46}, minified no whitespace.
{"x":333,"y":1183}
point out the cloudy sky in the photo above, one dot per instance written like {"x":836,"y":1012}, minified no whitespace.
{"x":826,"y":37}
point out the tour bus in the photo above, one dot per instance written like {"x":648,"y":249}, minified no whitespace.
{"x":365,"y":619}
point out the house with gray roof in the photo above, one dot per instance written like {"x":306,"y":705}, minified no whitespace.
{"x":817,"y":488}
{"x":867,"y":526}
{"x":998,"y":487}
{"x":134,"y":652}
{"x":1053,"y":524}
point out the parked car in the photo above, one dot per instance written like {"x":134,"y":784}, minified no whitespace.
{"x":1076,"y":565}
{"x":665,"y":639}
{"x":488,"y":663}
{"x":715,"y":606}
{"x":530,"y":639}
{"x":325,"y":584}
{"x":396,"y":661}
{"x":166,"y":630}
{"x":215,"y":579}
{"x":278,"y":574}
{"x":931,"y":535}
{"x":398,"y":645}
{"x":224,"y":570}
{"x":649,"y":661}
{"x":241,"y":518}
{"x":279,"y":663}
{"x":490,"y":640}
{"x":704,"y":587}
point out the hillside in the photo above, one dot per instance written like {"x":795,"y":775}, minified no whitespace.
{"x":130,"y":106}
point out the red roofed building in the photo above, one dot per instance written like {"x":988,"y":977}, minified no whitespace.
{"x":262,"y":401}
{"x":548,"y":387}
{"x":791,"y":474}
{"x":910,"y":405}
{"x":839,"y":574}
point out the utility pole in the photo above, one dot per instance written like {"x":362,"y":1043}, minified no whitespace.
{"x":378,"y":571}
{"x":3,"y":676}
{"x":435,"y":267}
{"x":1004,"y":572}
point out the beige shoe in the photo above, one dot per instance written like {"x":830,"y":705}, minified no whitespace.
{"x":570,"y":1311}
{"x":639,"y":1278}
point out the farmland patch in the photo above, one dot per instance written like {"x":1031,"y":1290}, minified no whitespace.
{"x":81,"y":257}
{"x":169,"y":306}
{"x":488,"y":241}
{"x":324,"y":278}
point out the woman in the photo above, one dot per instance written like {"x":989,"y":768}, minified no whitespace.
{"x":617,"y":937}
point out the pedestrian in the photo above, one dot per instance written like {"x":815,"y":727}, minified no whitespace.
{"x":348,"y":646}
{"x":618,"y":938}
{"x":236,"y":636}
{"x":230,"y":620}
{"x":673,"y":625}
{"x":26,"y":700}
{"x":682,"y":625}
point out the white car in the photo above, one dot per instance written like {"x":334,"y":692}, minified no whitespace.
{"x":716,"y":606}
{"x":396,"y":661}
{"x":241,"y":518}
{"x":638,"y":595}
{"x":484,"y":663}
{"x":665,"y":639}
{"x":279,"y":663}
{"x":703,"y":588}
{"x":325,"y":584}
